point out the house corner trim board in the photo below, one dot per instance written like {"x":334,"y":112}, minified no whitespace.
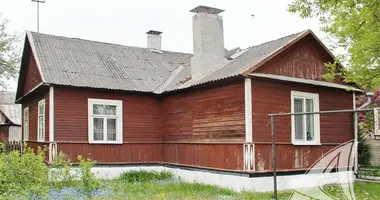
{"x":248,"y":109}
{"x":52,"y":145}
{"x":249,"y":147}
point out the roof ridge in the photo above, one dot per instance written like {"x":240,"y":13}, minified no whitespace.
{"x":100,"y":42}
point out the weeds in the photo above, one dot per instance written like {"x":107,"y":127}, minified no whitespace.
{"x":144,"y":176}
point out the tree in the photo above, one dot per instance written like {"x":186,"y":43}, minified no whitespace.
{"x":355,"y":24}
{"x":9,"y":54}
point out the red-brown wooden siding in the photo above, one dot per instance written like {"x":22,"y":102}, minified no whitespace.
{"x":111,"y":153}
{"x":270,"y":96}
{"x":141,"y":125}
{"x":33,"y":77}
{"x":305,"y":59}
{"x":32,"y":103}
{"x":4,"y":133}
{"x":221,"y":156}
{"x":141,"y":115}
{"x":205,"y":114}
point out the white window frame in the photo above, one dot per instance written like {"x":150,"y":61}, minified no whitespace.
{"x":119,"y":121}
{"x":26,"y":123}
{"x":315,"y":98}
{"x":41,"y":130}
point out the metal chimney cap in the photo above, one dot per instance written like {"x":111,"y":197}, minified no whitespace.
{"x":152,"y":32}
{"x":206,"y":9}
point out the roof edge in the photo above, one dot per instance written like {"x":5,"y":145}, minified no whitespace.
{"x":305,"y":81}
{"x":38,"y":63}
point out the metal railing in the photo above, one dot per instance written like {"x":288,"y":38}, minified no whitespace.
{"x":272,"y":120}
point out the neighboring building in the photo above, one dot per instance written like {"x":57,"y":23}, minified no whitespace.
{"x":10,"y":118}
{"x":120,"y":105}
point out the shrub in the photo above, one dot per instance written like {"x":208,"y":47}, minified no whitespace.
{"x":144,"y":176}
{"x":87,"y":178}
{"x":23,"y":174}
{"x":61,"y":174}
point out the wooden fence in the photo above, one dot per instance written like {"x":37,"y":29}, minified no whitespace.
{"x":12,"y":146}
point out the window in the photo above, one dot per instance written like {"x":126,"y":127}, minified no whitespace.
{"x":105,"y":121}
{"x":26,"y":124}
{"x":305,"y":128}
{"x":41,"y":121}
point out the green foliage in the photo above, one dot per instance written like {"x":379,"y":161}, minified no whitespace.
{"x":144,"y":176}
{"x":87,"y":178}
{"x":61,"y":174}
{"x":364,"y":153}
{"x":23,"y":174}
{"x":9,"y":53}
{"x":355,"y":25}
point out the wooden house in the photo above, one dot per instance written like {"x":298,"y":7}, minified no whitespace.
{"x":130,"y":105}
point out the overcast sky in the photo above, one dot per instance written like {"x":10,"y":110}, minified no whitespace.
{"x":125,"y":22}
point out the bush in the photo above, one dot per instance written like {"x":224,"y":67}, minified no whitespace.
{"x":144,"y":176}
{"x":61,"y":174}
{"x":87,"y":178}
{"x":23,"y":174}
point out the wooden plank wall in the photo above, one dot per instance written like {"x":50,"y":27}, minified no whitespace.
{"x":111,"y":153}
{"x":208,"y":113}
{"x":221,"y":156}
{"x":274,"y":97}
{"x":205,"y":127}
{"x":32,"y":103}
{"x":4,"y":133}
{"x":32,"y":75}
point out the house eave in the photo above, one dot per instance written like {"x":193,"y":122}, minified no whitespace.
{"x":306,"y":81}
{"x":32,"y":90}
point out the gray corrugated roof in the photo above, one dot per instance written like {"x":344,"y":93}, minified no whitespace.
{"x":84,"y":63}
{"x":11,"y":110}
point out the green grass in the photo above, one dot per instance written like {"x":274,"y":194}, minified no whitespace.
{"x":164,"y":185}
{"x":175,"y":189}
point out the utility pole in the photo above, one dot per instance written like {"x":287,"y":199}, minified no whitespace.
{"x":38,"y":12}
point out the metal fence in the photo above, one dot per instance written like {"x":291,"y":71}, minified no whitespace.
{"x":273,"y":116}
{"x":369,"y":172}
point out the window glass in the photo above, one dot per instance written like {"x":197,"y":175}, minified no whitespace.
{"x":98,"y":128}
{"x":111,"y":129}
{"x":298,"y":119}
{"x":309,"y":120}
{"x":110,"y":110}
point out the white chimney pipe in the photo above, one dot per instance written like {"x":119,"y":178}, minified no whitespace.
{"x":154,"y":39}
{"x":208,"y":40}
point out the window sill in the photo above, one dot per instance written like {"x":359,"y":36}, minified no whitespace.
{"x":306,"y":143}
{"x":103,"y":142}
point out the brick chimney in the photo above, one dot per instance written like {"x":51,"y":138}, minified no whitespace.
{"x":208,"y":40}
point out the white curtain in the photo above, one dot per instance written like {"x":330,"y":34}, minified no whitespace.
{"x":309,"y":120}
{"x":298,"y":119}
{"x":98,"y":129}
{"x":111,"y":129}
